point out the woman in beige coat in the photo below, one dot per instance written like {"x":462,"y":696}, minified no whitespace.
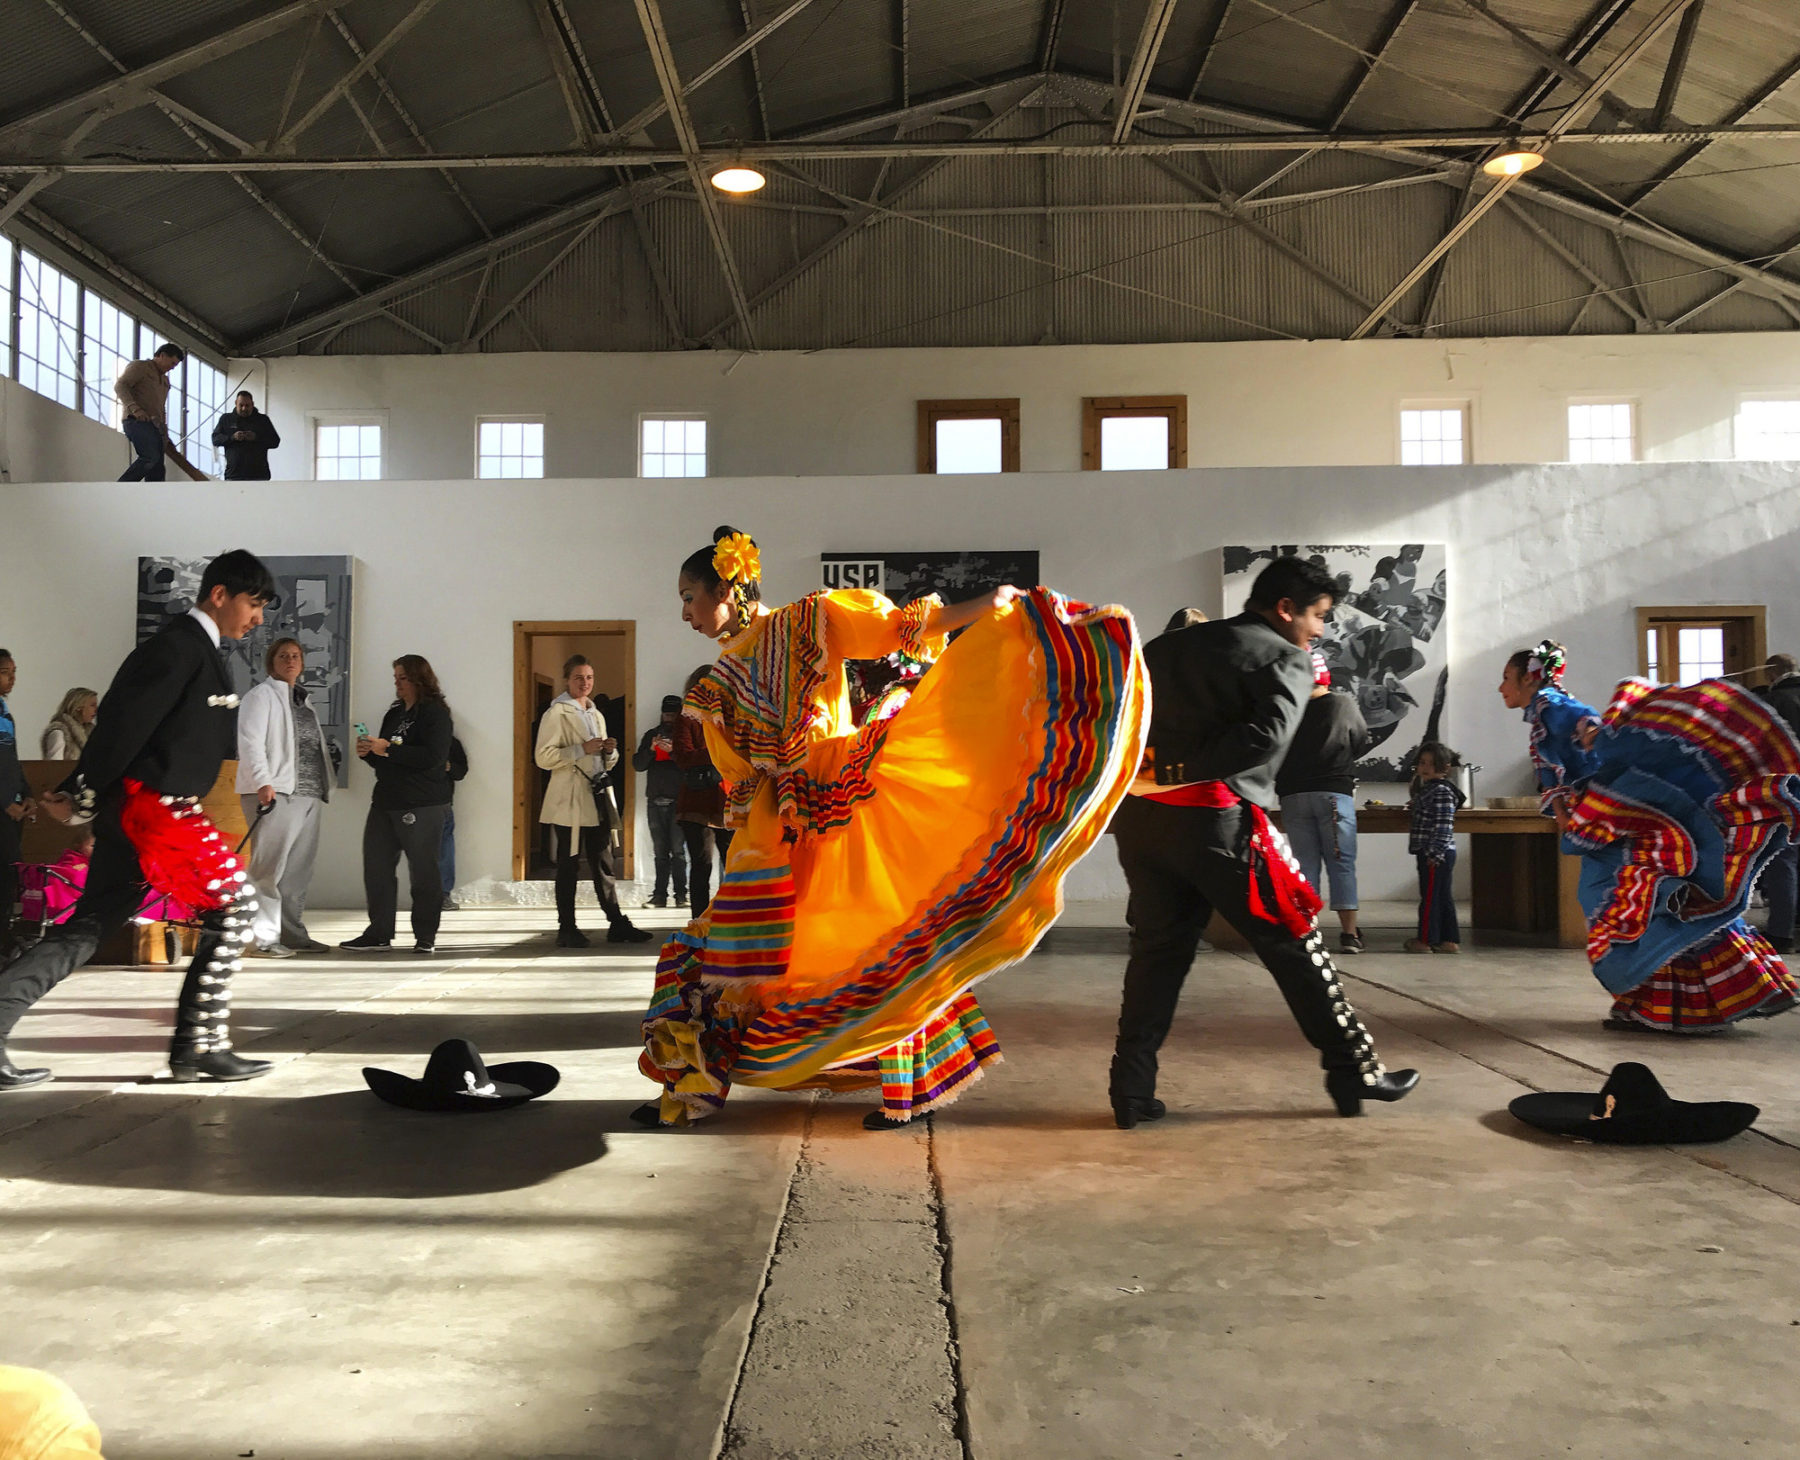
{"x":574,"y":747}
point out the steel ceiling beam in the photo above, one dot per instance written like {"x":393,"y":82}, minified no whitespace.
{"x":1582,"y":268}
{"x":1770,"y":89}
{"x":756,"y":76}
{"x":1599,"y":24}
{"x":662,"y":57}
{"x":1372,"y":62}
{"x":1209,"y":43}
{"x":1566,"y":70}
{"x":1676,"y":71}
{"x":1596,"y":89}
{"x":335,"y":92}
{"x":1143,"y":62}
{"x":1787,"y":247}
{"x":130,"y":87}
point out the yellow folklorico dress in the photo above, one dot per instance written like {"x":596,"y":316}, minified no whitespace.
{"x":879,"y":873}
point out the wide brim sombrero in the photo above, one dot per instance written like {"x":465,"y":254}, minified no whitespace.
{"x":458,"y":1081}
{"x":1633,"y":1109}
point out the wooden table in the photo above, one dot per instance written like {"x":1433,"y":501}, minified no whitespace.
{"x":1523,"y":885}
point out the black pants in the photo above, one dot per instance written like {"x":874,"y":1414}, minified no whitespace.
{"x":671,"y":855}
{"x":596,"y":846}
{"x":418,"y":832}
{"x":10,"y":837}
{"x":114,"y":891}
{"x":1437,"y":904}
{"x":701,"y":839}
{"x":147,"y":441}
{"x":1182,"y":864}
{"x":1781,"y":885}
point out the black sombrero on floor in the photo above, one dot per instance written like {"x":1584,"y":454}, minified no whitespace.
{"x":458,"y":1081}
{"x":1633,"y":1109}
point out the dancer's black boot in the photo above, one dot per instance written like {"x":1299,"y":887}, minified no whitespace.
{"x":201,"y":1049}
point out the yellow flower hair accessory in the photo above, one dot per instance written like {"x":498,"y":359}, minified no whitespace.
{"x":736,"y":560}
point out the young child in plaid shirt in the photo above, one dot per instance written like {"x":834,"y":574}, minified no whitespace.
{"x":1432,"y":841}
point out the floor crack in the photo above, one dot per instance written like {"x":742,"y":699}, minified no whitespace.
{"x":940,"y":1214}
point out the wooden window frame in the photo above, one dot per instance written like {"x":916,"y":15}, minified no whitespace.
{"x":1658,"y":616}
{"x":1097,"y":408}
{"x":933,"y":411}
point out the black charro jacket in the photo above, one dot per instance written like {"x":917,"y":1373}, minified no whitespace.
{"x":1226,"y":698}
{"x":168,"y":719}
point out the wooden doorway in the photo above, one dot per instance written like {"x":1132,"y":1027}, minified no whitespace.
{"x":1685,"y":645}
{"x":539,"y":651}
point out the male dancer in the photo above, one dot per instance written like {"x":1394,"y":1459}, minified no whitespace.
{"x":1226,"y":698}
{"x":164,"y":727}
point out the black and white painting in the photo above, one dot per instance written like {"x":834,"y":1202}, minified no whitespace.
{"x":1384,"y":641}
{"x":312,"y":604}
{"x":955,"y":576}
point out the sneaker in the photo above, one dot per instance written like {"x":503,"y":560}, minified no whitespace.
{"x":310,"y":945}
{"x":659,"y":902}
{"x":1416,"y":945}
{"x":1350,"y":943}
{"x":450,"y":904}
{"x":626,"y":931}
{"x":269,"y":950}
{"x":367,"y":943}
{"x":1200,"y":947}
{"x":1445,"y":948}
{"x":427,"y":949}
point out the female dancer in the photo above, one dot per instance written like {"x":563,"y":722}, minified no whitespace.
{"x":1675,"y":799}
{"x":879,"y":872}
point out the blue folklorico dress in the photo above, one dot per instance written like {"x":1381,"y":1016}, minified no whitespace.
{"x":1687,"y":793}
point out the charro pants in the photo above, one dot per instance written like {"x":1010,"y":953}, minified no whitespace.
{"x":671,"y":854}
{"x":1183,"y":863}
{"x":416,"y":834}
{"x":281,"y":866}
{"x":701,"y":839}
{"x":596,"y":845}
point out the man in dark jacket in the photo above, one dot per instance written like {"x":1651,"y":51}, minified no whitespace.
{"x":1781,"y":877}
{"x":248,"y":437}
{"x":1226,"y":699}
{"x":164,"y":727}
{"x":655,"y":756}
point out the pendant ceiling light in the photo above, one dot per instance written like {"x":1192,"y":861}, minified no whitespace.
{"x":1511,"y":164}
{"x":737,"y":177}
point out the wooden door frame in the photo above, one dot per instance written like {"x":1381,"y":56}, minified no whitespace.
{"x":1756,"y":614}
{"x":524,"y":630}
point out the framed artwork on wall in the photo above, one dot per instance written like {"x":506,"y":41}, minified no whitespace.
{"x":312,"y":604}
{"x":953,"y":576}
{"x":1385,"y":642}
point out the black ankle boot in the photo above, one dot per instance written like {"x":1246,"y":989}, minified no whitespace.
{"x":201,"y":1049}
{"x":1128,"y":1110}
{"x":1348,"y":1089}
{"x":190,"y":1064}
{"x":13,"y":1078}
{"x":571,"y":938}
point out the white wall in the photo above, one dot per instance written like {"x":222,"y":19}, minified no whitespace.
{"x":852,"y":412}
{"x":41,"y":441}
{"x":446,"y":567}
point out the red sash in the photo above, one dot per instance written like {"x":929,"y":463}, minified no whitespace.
{"x":1289,"y":901}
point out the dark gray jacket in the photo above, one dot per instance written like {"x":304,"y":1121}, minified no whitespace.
{"x":1332,"y":737}
{"x":1226,"y":699}
{"x":1784,"y":697}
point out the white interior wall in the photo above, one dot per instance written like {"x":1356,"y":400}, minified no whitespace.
{"x":41,"y":441}
{"x":444,"y":568}
{"x":851,"y":412}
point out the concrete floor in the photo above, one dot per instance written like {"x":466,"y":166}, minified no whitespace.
{"x":293,"y":1269}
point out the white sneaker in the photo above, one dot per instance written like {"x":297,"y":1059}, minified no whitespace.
{"x":269,"y":950}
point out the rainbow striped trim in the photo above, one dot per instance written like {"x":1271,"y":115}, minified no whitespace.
{"x":750,"y":926}
{"x":1731,"y":978}
{"x":936,"y":1064}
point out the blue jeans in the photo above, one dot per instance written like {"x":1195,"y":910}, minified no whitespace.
{"x":1321,"y":828}
{"x":147,"y":441}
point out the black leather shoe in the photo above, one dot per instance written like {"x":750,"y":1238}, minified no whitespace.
{"x":571,"y":938}
{"x":217,"y":1064}
{"x":881,"y":1120}
{"x":648,"y":1115}
{"x":367,"y":943}
{"x":626,"y":931}
{"x":1348,"y":1091}
{"x":13,"y":1078}
{"x":1129,"y":1111}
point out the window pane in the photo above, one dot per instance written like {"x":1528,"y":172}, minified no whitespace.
{"x":534,"y":438}
{"x":1767,"y":430}
{"x":696,"y":436}
{"x":696,"y":466}
{"x":489,"y":438}
{"x":49,"y":329}
{"x":512,"y":438}
{"x":6,"y":304}
{"x":964,"y":446}
{"x":1650,"y":654}
{"x":653,"y":437}
{"x":653,"y":466}
{"x":1701,"y":652}
{"x":1134,"y":443}
{"x":1431,"y":437}
{"x":488,"y":466}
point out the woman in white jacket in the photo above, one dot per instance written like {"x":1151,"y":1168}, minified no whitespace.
{"x":574,"y":747}
{"x":282,"y":762}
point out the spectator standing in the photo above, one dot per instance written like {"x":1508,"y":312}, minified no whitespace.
{"x":1780,"y":881}
{"x":456,"y":769}
{"x":14,"y":804}
{"x":406,"y":814}
{"x":282,"y":764}
{"x":700,"y":806}
{"x":66,"y":735}
{"x":248,"y":436}
{"x":1317,"y":786}
{"x":574,"y":747}
{"x":143,"y":392}
{"x":655,"y":757}
{"x":1432,"y":840}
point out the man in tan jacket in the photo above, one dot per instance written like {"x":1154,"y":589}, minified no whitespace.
{"x":143,"y":392}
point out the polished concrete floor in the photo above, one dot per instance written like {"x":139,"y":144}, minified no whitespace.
{"x":292,"y":1270}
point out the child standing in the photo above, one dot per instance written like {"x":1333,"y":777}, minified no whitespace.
{"x":1432,"y":840}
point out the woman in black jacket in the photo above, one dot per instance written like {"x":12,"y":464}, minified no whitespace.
{"x":412,"y":793}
